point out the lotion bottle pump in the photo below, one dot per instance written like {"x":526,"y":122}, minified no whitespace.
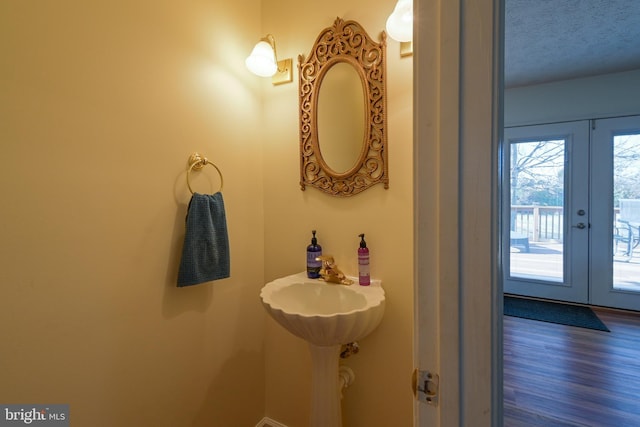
{"x":363,"y":263}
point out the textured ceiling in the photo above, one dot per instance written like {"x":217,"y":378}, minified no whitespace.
{"x":550,"y":40}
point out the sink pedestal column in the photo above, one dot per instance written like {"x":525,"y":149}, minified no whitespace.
{"x":325,"y":385}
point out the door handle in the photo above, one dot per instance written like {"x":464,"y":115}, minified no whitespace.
{"x":580,"y":225}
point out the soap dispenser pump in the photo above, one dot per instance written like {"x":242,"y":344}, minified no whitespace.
{"x":314,"y":250}
{"x":363,"y":263}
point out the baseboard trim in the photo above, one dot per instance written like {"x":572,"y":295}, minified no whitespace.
{"x":268,"y":422}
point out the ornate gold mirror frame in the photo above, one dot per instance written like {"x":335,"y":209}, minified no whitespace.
{"x":345,"y":41}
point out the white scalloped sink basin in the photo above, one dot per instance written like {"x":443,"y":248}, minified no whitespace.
{"x":324,"y":314}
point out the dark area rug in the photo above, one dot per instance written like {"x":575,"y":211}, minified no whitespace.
{"x":553,"y":312}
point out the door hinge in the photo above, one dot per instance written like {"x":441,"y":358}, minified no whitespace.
{"x":425,"y":386}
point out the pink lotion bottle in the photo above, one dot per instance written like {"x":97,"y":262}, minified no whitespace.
{"x":363,"y":263}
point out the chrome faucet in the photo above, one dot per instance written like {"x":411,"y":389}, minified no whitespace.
{"x":330,"y":273}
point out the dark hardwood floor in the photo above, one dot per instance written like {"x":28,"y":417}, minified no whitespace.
{"x":556,"y":375}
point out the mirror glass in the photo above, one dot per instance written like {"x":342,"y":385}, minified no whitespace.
{"x":343,"y":111}
{"x":341,"y":117}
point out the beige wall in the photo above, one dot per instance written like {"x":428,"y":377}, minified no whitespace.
{"x":607,"y":95}
{"x":381,"y":394}
{"x":102,"y":103}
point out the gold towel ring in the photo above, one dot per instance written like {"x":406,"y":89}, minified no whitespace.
{"x":198,"y":162}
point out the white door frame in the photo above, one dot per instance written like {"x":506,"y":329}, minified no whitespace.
{"x":458,"y":83}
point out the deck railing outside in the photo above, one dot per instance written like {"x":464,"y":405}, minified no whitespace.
{"x":540,"y":223}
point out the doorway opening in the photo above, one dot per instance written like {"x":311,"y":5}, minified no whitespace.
{"x":572,"y":212}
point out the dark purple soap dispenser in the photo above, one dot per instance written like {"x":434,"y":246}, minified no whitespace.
{"x":314,"y":250}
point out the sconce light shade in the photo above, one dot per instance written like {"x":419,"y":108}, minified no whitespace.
{"x":400,"y":22}
{"x":262,"y":61}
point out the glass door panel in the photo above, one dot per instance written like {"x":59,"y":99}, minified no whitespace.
{"x":537,"y":210}
{"x":626,"y":211}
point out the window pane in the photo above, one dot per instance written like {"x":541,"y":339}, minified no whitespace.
{"x":537,"y":210}
{"x":626,"y":212}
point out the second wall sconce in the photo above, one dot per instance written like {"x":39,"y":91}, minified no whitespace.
{"x":263,"y":62}
{"x":400,"y":26}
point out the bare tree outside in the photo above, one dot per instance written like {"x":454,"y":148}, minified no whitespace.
{"x":537,"y":173}
{"x":626,"y":170}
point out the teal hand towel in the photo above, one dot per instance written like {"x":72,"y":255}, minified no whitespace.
{"x":205,"y":254}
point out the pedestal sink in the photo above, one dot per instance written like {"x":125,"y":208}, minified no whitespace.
{"x":326,"y":315}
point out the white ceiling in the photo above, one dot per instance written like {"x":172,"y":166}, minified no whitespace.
{"x":550,"y":40}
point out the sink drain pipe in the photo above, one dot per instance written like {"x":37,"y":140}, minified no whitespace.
{"x":345,"y":378}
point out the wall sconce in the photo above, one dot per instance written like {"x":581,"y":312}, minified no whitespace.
{"x":263,"y":62}
{"x":400,"y":26}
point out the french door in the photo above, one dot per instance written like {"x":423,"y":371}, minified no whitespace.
{"x":547,"y":219}
{"x":615,"y":212}
{"x":572,"y":212}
